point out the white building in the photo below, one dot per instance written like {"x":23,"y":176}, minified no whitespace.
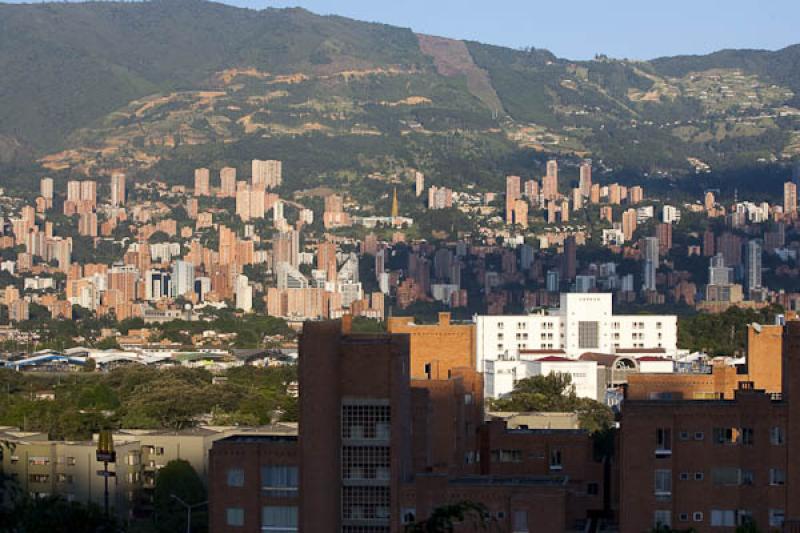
{"x":182,"y":278}
{"x":583,"y":323}
{"x":244,"y":293}
{"x":500,"y":376}
{"x":670,"y":214}
{"x":655,"y":365}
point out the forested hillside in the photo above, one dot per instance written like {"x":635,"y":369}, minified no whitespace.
{"x":87,"y":87}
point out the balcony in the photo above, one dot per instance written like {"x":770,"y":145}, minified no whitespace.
{"x":663,"y":453}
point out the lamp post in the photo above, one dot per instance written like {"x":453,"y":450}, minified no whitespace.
{"x":105,"y":454}
{"x":189,"y":508}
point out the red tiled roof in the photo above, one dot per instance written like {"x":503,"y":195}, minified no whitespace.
{"x":652,"y":358}
{"x":553,"y":358}
{"x":640,"y":350}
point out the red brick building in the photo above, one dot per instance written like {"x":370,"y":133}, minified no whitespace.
{"x":710,"y":464}
{"x":253,"y":483}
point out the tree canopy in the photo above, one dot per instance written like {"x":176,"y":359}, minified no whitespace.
{"x":556,"y":393}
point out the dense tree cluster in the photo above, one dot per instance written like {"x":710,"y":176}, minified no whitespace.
{"x":144,"y":397}
{"x":555,"y":393}
{"x":722,"y":333}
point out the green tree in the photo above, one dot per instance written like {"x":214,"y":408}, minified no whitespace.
{"x":167,"y":402}
{"x":555,"y":393}
{"x":447,"y":517}
{"x":179,"y":480}
{"x":54,"y":514}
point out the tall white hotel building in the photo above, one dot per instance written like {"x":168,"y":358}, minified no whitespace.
{"x":584,"y":323}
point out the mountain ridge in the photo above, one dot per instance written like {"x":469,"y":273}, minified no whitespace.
{"x":340,"y":77}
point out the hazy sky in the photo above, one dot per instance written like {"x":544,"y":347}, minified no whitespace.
{"x":640,"y":29}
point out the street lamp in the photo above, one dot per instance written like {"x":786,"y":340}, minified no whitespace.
{"x":188,"y":510}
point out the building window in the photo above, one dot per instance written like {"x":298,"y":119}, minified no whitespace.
{"x":726,"y":436}
{"x":592,"y":489}
{"x":699,"y":476}
{"x":777,"y":476}
{"x":588,"y":335}
{"x":776,"y":518}
{"x":684,"y":476}
{"x":555,"y":460}
{"x":236,"y":477}
{"x":776,"y":436}
{"x":279,"y":519}
{"x":234,"y":516}
{"x":506,"y":456}
{"x":279,"y":481}
{"x":726,"y":476}
{"x":520,"y":522}
{"x":408,"y":515}
{"x":747,"y":436}
{"x":366,"y":422}
{"x":697,"y":516}
{"x":662,"y":518}
{"x":723,"y":518}
{"x":663,"y":441}
{"x":699,"y":435}
{"x":684,"y":435}
{"x":663,"y":482}
{"x":683,"y":517}
{"x":500,"y":336}
{"x":366,"y":503}
{"x":744,"y":517}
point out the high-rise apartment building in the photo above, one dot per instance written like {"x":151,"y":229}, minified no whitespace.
{"x":118,"y":189}
{"x":354,"y":433}
{"x":753,"y":265}
{"x":552,"y":169}
{"x":73,"y":191}
{"x":709,"y":201}
{"x":266,"y":174}
{"x":227,"y":182}
{"x":286,"y":248}
{"x":585,"y":180}
{"x":243,"y":292}
{"x":635,"y":194}
{"x":570,"y":258}
{"x":182,"y":278}
{"x":650,"y":263}
{"x":419,"y":183}
{"x":789,"y":198}
{"x":513,"y":192}
{"x":628,"y":223}
{"x":730,"y":246}
{"x":664,"y":235}
{"x":531,"y":190}
{"x":46,"y":189}
{"x":439,"y":197}
{"x":202,"y":182}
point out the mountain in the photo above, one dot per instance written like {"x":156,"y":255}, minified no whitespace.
{"x":160,"y":86}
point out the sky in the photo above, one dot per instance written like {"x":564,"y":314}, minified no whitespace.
{"x":633,"y":29}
